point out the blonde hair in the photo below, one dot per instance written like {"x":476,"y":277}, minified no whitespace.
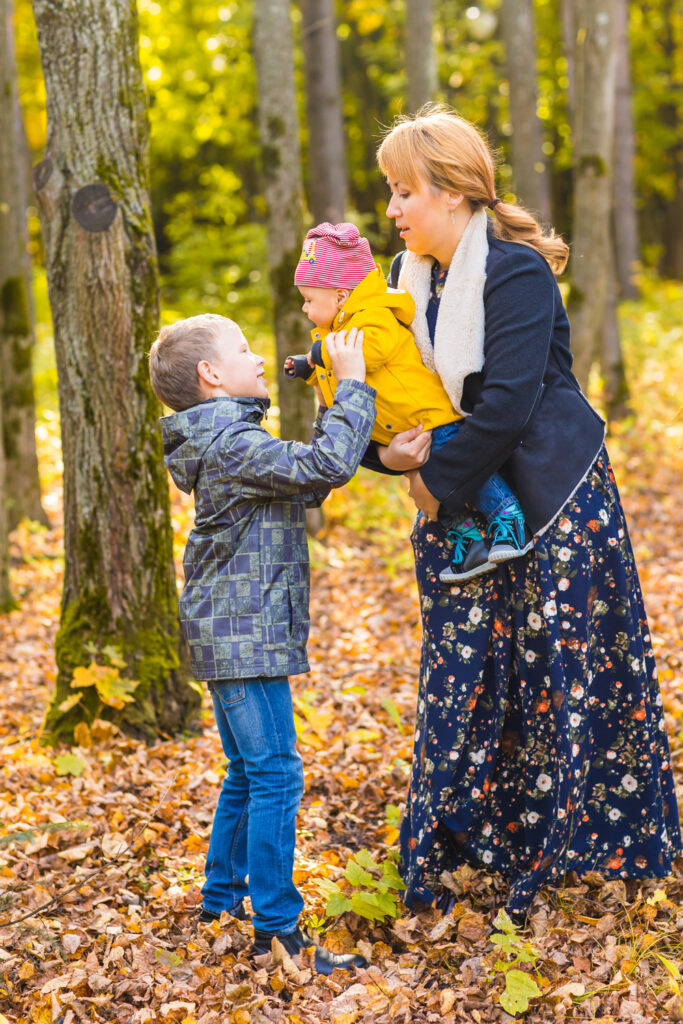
{"x":174,"y":356}
{"x":442,"y":148}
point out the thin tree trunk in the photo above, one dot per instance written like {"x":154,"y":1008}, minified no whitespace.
{"x":672,"y":260}
{"x":279,"y":131}
{"x":627,"y":245}
{"x":6,"y":602}
{"x":568,"y":14}
{"x":528,"y":164}
{"x":593,"y":154}
{"x":119,"y":603}
{"x":420,"y":53}
{"x":327,"y":185}
{"x":615,"y":390}
{"x":16,"y":328}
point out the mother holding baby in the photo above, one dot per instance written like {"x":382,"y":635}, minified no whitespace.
{"x":540,"y":746}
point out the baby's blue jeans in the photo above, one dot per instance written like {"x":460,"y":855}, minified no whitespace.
{"x":494,"y":496}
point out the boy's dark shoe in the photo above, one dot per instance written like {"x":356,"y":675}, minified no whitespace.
{"x":470,"y":555}
{"x":299,"y":367}
{"x":509,"y":536}
{"x":324,"y":961}
{"x":206,"y":916}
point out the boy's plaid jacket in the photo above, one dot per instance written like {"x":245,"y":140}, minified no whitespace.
{"x":244,"y":607}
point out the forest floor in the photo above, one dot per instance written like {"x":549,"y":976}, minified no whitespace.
{"x":116,"y":836}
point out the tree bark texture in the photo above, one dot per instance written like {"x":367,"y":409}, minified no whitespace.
{"x":615,"y":389}
{"x":92,"y":187}
{"x":16,"y":327}
{"x":672,"y":260}
{"x":420,"y":53}
{"x":327,"y":185}
{"x":593,"y":153}
{"x":279,"y":133}
{"x":6,"y":602}
{"x":627,"y":245}
{"x":528,"y":163}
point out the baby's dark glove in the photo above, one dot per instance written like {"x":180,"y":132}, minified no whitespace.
{"x":297,"y":366}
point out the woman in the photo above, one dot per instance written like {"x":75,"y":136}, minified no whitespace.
{"x":539,"y":745}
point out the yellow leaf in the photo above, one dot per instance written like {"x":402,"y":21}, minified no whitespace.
{"x":27,"y":970}
{"x":82,"y":735}
{"x":69,"y":702}
{"x":657,"y":897}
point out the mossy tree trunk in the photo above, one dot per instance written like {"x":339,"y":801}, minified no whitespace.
{"x":421,"y":77}
{"x":16,"y":329}
{"x":6,"y":602}
{"x":595,"y":62}
{"x":528,"y":162}
{"x":327,"y":174}
{"x":279,"y":133}
{"x":119,"y":602}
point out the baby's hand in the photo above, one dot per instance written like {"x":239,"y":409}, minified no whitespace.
{"x":345,"y":349}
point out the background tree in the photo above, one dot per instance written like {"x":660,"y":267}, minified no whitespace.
{"x":326,"y":151}
{"x":16,"y":329}
{"x":281,"y":159}
{"x":595,"y":62}
{"x":6,"y":602}
{"x":530,"y":178}
{"x":672,"y":260}
{"x":626,"y":241}
{"x":119,"y":599}
{"x":420,"y":53}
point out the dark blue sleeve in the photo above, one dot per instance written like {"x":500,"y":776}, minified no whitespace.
{"x":519,"y":304}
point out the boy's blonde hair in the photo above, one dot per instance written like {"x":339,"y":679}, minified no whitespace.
{"x":443,"y":149}
{"x":174,"y":356}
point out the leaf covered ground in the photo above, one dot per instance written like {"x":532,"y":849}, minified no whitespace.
{"x":111,"y":835}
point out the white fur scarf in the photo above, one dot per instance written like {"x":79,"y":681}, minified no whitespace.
{"x":459,"y":337}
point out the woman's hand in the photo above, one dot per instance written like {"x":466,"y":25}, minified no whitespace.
{"x":423,"y":498}
{"x":407,"y":450}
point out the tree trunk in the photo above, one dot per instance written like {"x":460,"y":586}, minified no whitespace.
{"x":627,"y":246}
{"x":420,"y":53}
{"x":119,"y":605}
{"x":615,"y":390}
{"x":528,"y":164}
{"x":279,"y":131}
{"x":6,"y":602}
{"x":327,"y":186}
{"x":593,"y":154}
{"x":672,"y":260}
{"x":16,"y":328}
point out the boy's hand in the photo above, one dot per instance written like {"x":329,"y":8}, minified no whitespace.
{"x":345,"y":349}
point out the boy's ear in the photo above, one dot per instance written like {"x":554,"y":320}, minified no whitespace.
{"x":342,"y":296}
{"x":207,"y":373}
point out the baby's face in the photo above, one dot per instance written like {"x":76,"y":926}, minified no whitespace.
{"x":321,"y":305}
{"x":240,"y":369}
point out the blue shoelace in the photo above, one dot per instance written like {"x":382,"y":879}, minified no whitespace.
{"x":460,"y":538}
{"x":507,"y":526}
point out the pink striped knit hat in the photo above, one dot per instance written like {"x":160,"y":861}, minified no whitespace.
{"x":334,"y":256}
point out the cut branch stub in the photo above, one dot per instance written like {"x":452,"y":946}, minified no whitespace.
{"x":42,"y":173}
{"x":93,"y":208}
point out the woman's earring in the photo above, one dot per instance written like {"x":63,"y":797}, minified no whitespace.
{"x":452,"y":216}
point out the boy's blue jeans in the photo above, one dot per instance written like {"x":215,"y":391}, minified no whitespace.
{"x":254,"y":828}
{"x":494,"y":496}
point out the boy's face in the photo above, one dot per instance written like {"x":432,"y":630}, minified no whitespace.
{"x":234,"y":370}
{"x":321,"y":305}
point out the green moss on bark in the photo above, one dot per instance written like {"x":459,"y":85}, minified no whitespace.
{"x":15,"y":308}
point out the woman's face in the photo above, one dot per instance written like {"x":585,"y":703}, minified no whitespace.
{"x":422,"y":216}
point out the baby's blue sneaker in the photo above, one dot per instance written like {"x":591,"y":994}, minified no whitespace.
{"x":509,"y":536}
{"x":470,"y":556}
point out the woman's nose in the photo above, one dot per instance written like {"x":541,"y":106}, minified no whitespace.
{"x":391,"y":211}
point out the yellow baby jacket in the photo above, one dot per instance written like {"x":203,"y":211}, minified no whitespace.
{"x":407,"y":392}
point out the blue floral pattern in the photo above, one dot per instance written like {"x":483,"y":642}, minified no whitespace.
{"x":540,"y":745}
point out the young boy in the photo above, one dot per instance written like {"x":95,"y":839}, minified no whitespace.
{"x":342,"y":288}
{"x":244,"y":607}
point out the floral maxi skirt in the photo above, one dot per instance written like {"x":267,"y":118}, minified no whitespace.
{"x":540,"y":745}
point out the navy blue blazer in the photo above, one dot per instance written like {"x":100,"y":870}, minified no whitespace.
{"x":529,"y":418}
